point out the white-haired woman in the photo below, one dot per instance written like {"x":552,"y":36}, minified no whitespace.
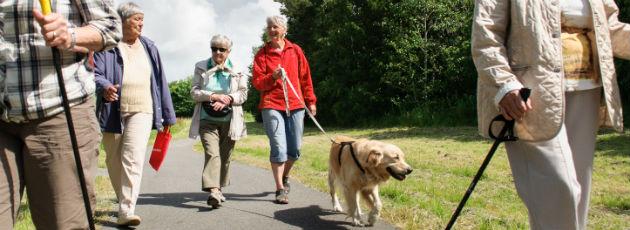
{"x":127,"y":118}
{"x":282,"y":111}
{"x":219,"y":93}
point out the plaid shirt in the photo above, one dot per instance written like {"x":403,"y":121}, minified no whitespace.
{"x":29,"y":88}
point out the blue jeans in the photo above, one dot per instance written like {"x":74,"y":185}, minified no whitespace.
{"x":285,"y":133}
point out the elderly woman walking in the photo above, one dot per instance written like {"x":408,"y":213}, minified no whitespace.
{"x":282,"y":111}
{"x":219,"y":93}
{"x":134,"y":98}
{"x":563,"y":51}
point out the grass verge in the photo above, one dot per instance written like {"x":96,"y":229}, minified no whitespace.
{"x":445,"y":160}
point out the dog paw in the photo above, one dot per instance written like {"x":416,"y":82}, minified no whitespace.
{"x":372,"y":219}
{"x":337,"y":208}
{"x":357,"y":223}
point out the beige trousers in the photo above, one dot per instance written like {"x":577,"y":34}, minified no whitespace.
{"x":125,"y":158}
{"x":553,"y":178}
{"x":38,"y":155}
{"x":218,"y":147}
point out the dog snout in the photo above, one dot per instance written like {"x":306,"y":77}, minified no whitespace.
{"x":409,"y":170}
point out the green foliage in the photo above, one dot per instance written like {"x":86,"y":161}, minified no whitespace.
{"x":406,"y":60}
{"x":180,"y":93}
{"x":371,"y":58}
{"x":253,"y":96}
{"x":623,"y":67}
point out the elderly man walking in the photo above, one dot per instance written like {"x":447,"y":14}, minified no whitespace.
{"x":34,"y":142}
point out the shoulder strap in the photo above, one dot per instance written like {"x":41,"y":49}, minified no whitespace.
{"x":78,"y":5}
{"x":84,"y":21}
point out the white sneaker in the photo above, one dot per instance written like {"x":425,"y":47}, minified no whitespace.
{"x":131,"y":220}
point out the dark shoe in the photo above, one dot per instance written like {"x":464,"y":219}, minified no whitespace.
{"x":282,"y":196}
{"x":214,"y":200}
{"x":286,"y":184}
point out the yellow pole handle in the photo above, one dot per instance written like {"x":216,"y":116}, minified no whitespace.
{"x":45,"y":6}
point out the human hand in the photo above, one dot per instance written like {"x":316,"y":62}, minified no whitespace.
{"x":54,"y":28}
{"x":277,"y":74}
{"x":225,"y":99}
{"x":313,"y":109}
{"x":218,"y":106}
{"x":513,"y":106}
{"x":111,"y":93}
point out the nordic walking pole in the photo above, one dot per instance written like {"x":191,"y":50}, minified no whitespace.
{"x":45,"y":4}
{"x":506,"y":134}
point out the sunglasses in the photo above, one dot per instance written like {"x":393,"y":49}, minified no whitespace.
{"x":215,"y":49}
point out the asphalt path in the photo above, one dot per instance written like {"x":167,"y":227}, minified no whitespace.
{"x":172,"y":199}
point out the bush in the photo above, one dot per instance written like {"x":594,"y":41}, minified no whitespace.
{"x":180,"y":93}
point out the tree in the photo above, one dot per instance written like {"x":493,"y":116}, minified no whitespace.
{"x":180,"y":94}
{"x":372,"y":58}
{"x":623,"y":66}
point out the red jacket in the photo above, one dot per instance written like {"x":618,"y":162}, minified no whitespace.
{"x":271,"y":95}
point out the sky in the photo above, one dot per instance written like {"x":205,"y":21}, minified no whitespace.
{"x":182,"y":29}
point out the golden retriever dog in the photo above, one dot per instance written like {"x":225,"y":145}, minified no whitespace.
{"x":373,"y":163}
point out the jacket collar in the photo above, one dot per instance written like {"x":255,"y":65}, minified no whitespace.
{"x":287,"y":45}
{"x":209,"y":72}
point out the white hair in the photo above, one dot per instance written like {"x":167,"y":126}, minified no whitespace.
{"x":278,"y":20}
{"x":221,"y":39}
{"x":128,"y":9}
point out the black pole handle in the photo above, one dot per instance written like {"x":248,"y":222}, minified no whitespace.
{"x":509,"y":124}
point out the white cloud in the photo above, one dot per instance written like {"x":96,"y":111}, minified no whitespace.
{"x":244,"y":25}
{"x":182,"y":29}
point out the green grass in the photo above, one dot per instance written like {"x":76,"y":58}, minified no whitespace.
{"x":444,"y":161}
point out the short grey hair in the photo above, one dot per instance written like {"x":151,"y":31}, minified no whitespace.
{"x":278,"y":20}
{"x":128,"y":9}
{"x":221,"y":39}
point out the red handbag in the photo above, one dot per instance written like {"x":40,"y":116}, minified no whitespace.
{"x":160,"y":148}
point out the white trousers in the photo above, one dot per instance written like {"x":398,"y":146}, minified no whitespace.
{"x":553,"y":177}
{"x":125,"y":158}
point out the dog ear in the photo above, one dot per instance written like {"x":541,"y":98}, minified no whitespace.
{"x":374,"y":157}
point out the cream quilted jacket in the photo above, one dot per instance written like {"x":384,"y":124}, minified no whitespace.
{"x":238,"y":91}
{"x":516,"y":43}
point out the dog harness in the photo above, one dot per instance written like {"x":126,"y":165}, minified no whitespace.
{"x":354,"y":157}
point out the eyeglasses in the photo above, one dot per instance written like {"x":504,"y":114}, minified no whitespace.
{"x":215,"y":49}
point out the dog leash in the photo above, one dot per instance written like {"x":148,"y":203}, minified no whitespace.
{"x":308,"y":111}
{"x":354,"y":157}
{"x":286,"y":80}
